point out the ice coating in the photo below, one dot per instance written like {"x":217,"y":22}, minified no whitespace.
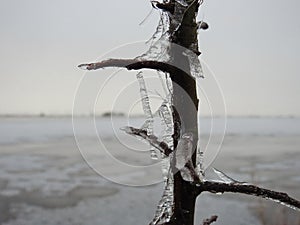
{"x":225,"y":178}
{"x":184,"y":150}
{"x":195,"y":65}
{"x":165,"y":206}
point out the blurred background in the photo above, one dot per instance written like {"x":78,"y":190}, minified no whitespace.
{"x":48,"y":175}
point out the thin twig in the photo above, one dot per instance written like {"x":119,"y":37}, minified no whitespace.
{"x":132,"y":64}
{"x":248,"y":189}
{"x":152,"y":139}
{"x":210,"y":220}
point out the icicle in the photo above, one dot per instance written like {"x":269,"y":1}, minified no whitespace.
{"x":225,"y":178}
{"x":147,"y":110}
{"x":167,"y":121}
{"x":165,"y":206}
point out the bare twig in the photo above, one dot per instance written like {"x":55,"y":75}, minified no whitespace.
{"x":248,"y":189}
{"x":152,"y":139}
{"x":210,"y":220}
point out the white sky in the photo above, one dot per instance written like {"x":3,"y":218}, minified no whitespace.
{"x":252,"y":47}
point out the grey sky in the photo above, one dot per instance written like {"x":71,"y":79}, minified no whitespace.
{"x":252,"y":48}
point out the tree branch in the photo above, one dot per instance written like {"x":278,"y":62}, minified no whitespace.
{"x":210,"y":220}
{"x":248,"y":189}
{"x":130,"y":64}
{"x":152,"y":139}
{"x":133,"y":64}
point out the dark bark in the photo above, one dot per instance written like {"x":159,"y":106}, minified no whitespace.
{"x":248,"y":189}
{"x":151,"y":139}
{"x":135,"y":64}
{"x":185,"y":101}
{"x":210,"y":220}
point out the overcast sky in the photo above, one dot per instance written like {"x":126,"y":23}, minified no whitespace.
{"x":252,"y":47}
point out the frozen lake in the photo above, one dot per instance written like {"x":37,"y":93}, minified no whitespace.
{"x":36,"y":129}
{"x":45,"y":180}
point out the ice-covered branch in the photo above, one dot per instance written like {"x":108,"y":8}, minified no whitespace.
{"x":152,"y":139}
{"x":210,"y":220}
{"x":249,"y":189}
{"x":132,"y":64}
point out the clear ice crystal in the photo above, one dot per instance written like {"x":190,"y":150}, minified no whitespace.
{"x":148,"y":125}
{"x":159,"y":42}
{"x":187,"y":174}
{"x":183,"y":158}
{"x":184,"y":150}
{"x":225,"y":178}
{"x":158,"y":51}
{"x":165,"y":114}
{"x":165,"y":206}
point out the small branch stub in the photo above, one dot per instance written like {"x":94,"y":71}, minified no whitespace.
{"x":210,"y":220}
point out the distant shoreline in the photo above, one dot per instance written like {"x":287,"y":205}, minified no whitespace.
{"x":139,"y":116}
